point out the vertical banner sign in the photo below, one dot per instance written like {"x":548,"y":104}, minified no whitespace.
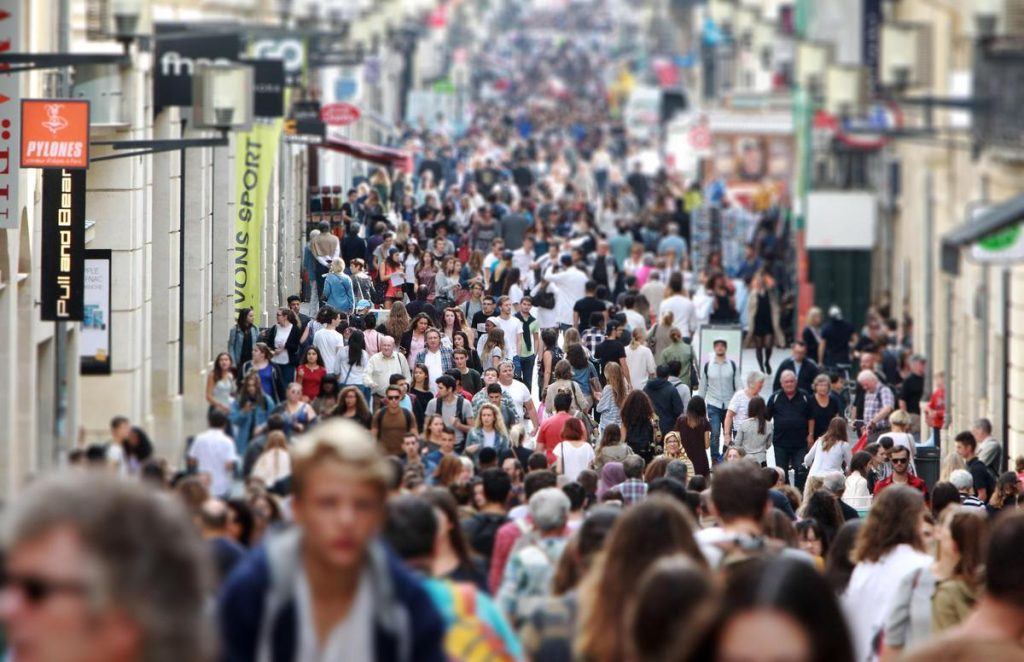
{"x":256,"y":152}
{"x":94,"y":339}
{"x":871,"y":44}
{"x":10,"y":98}
{"x":63,"y":245}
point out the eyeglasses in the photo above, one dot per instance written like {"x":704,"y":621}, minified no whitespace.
{"x":37,"y":590}
{"x":394,"y":397}
{"x":900,"y":460}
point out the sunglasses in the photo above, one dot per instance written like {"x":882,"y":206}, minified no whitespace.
{"x":900,"y":460}
{"x":394,"y":397}
{"x":37,"y":590}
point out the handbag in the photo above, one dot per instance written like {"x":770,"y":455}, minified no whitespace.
{"x":657,"y":436}
{"x":544,"y":298}
{"x":589,"y":424}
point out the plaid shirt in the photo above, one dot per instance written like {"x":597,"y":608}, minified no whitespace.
{"x":447,"y":360}
{"x":592,"y":338}
{"x":876,"y":402}
{"x":633,"y":490}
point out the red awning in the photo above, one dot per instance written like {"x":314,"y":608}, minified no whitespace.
{"x":387,"y":156}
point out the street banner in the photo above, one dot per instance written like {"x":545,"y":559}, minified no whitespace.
{"x":54,"y":133}
{"x":94,"y":338}
{"x":10,"y":118}
{"x":255,"y":154}
{"x":268,"y":88}
{"x":62,"y":269}
{"x":871,"y":43}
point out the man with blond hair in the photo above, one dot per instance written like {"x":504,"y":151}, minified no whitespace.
{"x":326,"y":589}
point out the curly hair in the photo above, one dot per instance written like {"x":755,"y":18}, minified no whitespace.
{"x":636,"y":409}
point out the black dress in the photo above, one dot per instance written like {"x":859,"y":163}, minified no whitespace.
{"x":763,"y":316}
{"x":724,"y":313}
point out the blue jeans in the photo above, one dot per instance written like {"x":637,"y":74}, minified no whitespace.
{"x":792,"y":457}
{"x":717,"y":417}
{"x":524,"y":369}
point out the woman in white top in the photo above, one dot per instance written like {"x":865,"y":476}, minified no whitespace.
{"x":352,"y":362}
{"x":754,"y":435}
{"x":639,"y":360}
{"x":574,"y":453}
{"x":831,"y":452}
{"x":856,"y":494}
{"x":889,"y":546}
{"x":274,"y":463}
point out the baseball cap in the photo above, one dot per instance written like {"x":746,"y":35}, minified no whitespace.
{"x":720,"y":340}
{"x":363,"y":304}
{"x":491,"y":320}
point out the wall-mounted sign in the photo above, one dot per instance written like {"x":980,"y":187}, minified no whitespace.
{"x":304,"y":124}
{"x":10,"y":96}
{"x":177,"y":56}
{"x":268,"y":88}
{"x":94,"y":338}
{"x":290,"y":51}
{"x":63,"y":244}
{"x":339,"y":114}
{"x":54,"y":133}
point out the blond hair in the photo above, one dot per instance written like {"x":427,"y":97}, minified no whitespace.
{"x":337,"y":265}
{"x":343,"y":441}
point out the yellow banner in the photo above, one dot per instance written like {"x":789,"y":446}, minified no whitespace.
{"x":255,"y":153}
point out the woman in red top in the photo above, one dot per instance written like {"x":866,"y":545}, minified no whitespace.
{"x":391,"y":265}
{"x":935,"y":410}
{"x":310,"y":374}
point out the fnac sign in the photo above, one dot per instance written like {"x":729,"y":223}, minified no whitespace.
{"x":54,"y":133}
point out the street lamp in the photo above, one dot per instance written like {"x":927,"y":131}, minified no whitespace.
{"x":812,"y":58}
{"x":901,"y":45}
{"x":844,"y":90}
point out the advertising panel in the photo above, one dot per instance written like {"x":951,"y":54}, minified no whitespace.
{"x":94,"y":339}
{"x":176,"y":58}
{"x":63,"y":245}
{"x":255,"y":156}
{"x":54,"y":133}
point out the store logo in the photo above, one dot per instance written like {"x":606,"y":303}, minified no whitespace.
{"x":54,"y":122}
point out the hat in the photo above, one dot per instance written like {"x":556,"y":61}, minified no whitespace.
{"x":491,"y":320}
{"x":363,"y":304}
{"x":566,"y":259}
{"x":393,"y":250}
{"x":720,"y":340}
{"x":506,"y":255}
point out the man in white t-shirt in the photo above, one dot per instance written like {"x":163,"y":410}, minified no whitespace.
{"x":213,"y":452}
{"x":512,"y":327}
{"x":684,"y":313}
{"x":519,"y":392}
{"x":737,"y":410}
{"x":328,"y":341}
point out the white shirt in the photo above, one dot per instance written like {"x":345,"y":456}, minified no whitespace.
{"x":433,"y":362}
{"x":328,"y":342}
{"x":351,"y":638}
{"x":684,"y":313}
{"x":868,"y":598}
{"x":640,"y":362}
{"x":738,"y":406}
{"x":634,"y":320}
{"x":572,"y":283}
{"x":520,"y":395}
{"x":574,"y":460}
{"x":548,"y":318}
{"x":513,"y":330}
{"x":522,"y":261}
{"x":822,"y":461}
{"x":280,"y":340}
{"x":272,"y":466}
{"x":212,"y":450}
{"x":351,"y":375}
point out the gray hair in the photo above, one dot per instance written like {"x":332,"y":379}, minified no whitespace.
{"x":867,"y":377}
{"x":677,"y":469}
{"x":146,"y":557}
{"x":549,"y":509}
{"x":786,"y":374}
{"x":754,"y":378}
{"x":834,"y":482}
{"x":962,"y":480}
{"x":633,"y":466}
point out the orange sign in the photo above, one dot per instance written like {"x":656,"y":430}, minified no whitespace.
{"x":54,"y":133}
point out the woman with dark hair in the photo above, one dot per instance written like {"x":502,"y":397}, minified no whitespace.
{"x":812,"y":538}
{"x":638,"y":424}
{"x":889,"y":545}
{"x":647,"y":531}
{"x":611,"y":448}
{"x":1006,"y":494}
{"x":420,"y":393}
{"x":327,"y":399}
{"x":352,"y":404}
{"x":249,"y":411}
{"x":695,"y":434}
{"x":311,"y":374}
{"x":943,"y":495}
{"x":723,"y":300}
{"x":754,"y":435}
{"x":823,"y":507}
{"x":271,"y":379}
{"x":243,"y":337}
{"x":414,"y":340}
{"x":773,"y":608}
{"x":221,"y":384}
{"x":550,"y":356}
{"x":938,"y":597}
{"x":352,"y":362}
{"x":838,"y":566}
{"x":283,"y":339}
{"x":856,"y":494}
{"x":512,"y":286}
{"x":240,"y":521}
{"x":137,"y":449}
{"x":453,"y":558}
{"x":391,"y":275}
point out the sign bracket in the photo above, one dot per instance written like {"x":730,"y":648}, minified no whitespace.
{"x":145,"y":147}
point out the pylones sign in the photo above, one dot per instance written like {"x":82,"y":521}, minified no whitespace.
{"x":256,"y":151}
{"x":54,"y":133}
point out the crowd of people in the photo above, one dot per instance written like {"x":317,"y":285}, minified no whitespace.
{"x":484,"y":430}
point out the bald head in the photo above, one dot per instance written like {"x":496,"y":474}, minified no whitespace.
{"x":213,"y":517}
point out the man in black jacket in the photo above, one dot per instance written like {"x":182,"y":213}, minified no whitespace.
{"x":665,"y":399}
{"x":802,"y":366}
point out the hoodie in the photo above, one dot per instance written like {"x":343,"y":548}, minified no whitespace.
{"x":257,"y":612}
{"x":667,"y":403}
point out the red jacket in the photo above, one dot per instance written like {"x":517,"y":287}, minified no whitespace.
{"x":550,"y":434}
{"x":912,"y":481}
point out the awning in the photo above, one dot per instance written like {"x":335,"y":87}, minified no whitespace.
{"x":386,"y":156}
{"x":993,"y":220}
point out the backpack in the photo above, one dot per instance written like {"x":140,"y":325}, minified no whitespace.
{"x":379,"y":416}
{"x":733,"y":363}
{"x":469,"y":638}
